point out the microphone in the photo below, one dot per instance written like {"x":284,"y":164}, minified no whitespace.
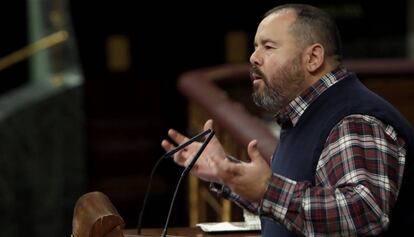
{"x":168,"y":154}
{"x":183,"y":174}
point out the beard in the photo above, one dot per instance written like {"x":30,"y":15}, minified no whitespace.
{"x":285,"y":87}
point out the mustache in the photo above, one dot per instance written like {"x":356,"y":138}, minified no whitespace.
{"x":254,"y":70}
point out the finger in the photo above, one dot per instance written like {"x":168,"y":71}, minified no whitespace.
{"x":208,"y":124}
{"x":180,"y":159}
{"x":187,"y":162}
{"x":167,"y":145}
{"x":176,"y":136}
{"x":253,"y":152}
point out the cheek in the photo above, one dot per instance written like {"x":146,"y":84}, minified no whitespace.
{"x":272,"y":72}
{"x":278,"y":77}
{"x":274,"y":65}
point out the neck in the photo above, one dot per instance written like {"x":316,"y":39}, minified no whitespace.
{"x":313,"y":77}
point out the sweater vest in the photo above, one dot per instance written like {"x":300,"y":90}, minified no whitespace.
{"x":300,"y":147}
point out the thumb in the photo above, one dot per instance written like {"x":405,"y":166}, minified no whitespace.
{"x":253,"y":152}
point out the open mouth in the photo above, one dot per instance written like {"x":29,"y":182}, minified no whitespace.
{"x":255,"y":74}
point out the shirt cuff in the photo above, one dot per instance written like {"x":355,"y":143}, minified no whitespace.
{"x":277,"y":197}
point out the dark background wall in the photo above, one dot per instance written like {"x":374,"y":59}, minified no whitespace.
{"x":128,"y":111}
{"x":133,"y":109}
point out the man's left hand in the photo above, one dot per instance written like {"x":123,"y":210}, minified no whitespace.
{"x":247,"y":179}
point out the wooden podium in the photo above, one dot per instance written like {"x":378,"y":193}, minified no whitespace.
{"x":95,"y":216}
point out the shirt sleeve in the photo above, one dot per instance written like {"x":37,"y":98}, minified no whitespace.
{"x":357,"y":182}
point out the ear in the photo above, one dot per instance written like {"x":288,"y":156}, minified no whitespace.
{"x":314,"y":57}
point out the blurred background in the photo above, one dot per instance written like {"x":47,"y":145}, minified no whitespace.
{"x":88,"y":91}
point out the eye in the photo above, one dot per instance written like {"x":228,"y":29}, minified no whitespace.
{"x":268,"y":47}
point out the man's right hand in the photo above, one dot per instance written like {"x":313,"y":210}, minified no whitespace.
{"x":201,"y":169}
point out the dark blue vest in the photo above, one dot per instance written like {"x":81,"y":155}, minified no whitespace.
{"x":300,"y":147}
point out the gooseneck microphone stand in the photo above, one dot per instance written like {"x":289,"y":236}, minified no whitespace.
{"x":183,"y":174}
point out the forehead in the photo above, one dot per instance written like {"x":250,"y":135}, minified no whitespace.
{"x":276,"y":24}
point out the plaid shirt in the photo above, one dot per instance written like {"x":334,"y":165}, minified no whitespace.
{"x":357,"y":179}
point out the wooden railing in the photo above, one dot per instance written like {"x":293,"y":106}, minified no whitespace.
{"x":222,"y":93}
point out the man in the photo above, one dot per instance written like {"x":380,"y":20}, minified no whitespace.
{"x":343,"y":162}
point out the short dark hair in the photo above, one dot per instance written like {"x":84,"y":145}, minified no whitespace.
{"x":314,"y":25}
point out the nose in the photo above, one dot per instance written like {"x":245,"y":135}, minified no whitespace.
{"x":254,"y":58}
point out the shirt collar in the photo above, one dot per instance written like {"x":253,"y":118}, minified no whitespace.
{"x":292,"y":112}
